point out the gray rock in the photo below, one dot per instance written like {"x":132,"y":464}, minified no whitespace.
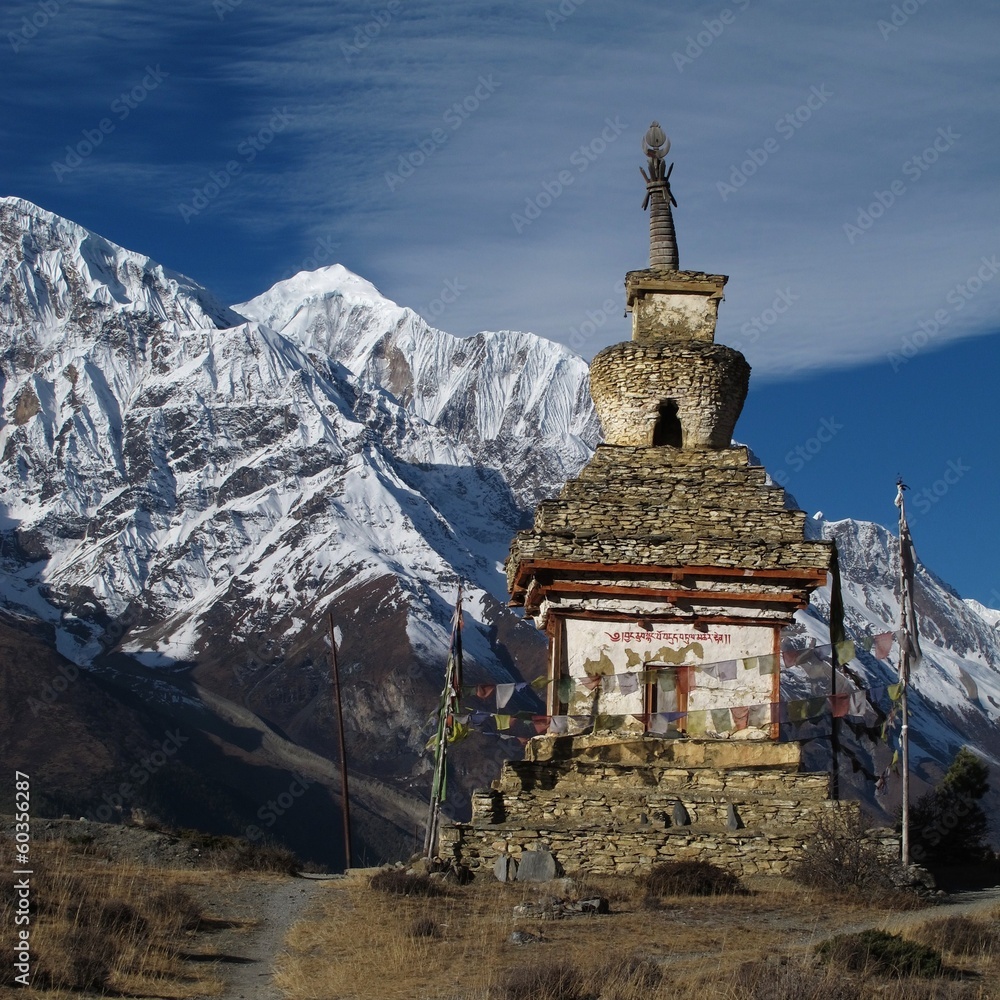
{"x":733,"y":820}
{"x":505,"y":868}
{"x":536,"y":866}
{"x":596,"y":905}
{"x":525,"y":937}
{"x":680,"y":817}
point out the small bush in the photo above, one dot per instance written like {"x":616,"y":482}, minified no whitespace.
{"x":545,"y":981}
{"x":690,"y":878}
{"x":841,"y":857}
{"x":176,"y":908}
{"x":122,"y":918}
{"x":960,"y":935}
{"x":786,"y":979}
{"x":248,"y":857}
{"x":395,"y":882}
{"x":633,"y":975}
{"x":881,"y":953}
{"x":424,"y":927}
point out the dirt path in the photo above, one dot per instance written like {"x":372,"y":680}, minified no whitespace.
{"x":970,"y":904}
{"x":246,"y":930}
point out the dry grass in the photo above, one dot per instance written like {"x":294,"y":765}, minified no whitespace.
{"x":360,"y":945}
{"x":961,"y":936}
{"x":100,"y":927}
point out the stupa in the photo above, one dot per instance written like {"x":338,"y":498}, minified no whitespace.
{"x":662,"y":575}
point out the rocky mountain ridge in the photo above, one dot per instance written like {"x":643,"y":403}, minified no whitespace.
{"x":189,"y":491}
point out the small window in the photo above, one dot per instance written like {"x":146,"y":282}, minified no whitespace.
{"x":667,"y":430}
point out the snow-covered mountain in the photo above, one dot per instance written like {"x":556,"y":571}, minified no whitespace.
{"x":187,"y":490}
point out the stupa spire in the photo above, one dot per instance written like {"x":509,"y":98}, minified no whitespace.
{"x":662,"y":239}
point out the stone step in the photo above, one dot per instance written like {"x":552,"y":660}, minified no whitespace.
{"x":703,"y":810}
{"x":611,"y":781}
{"x":630,"y":850}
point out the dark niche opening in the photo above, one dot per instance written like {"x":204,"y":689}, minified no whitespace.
{"x":667,"y":430}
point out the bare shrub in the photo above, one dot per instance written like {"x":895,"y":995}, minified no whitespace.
{"x":395,"y":882}
{"x":788,"y":979}
{"x":959,"y":935}
{"x":627,"y":977}
{"x":842,"y":857}
{"x":690,"y":878}
{"x":175,"y":907}
{"x":424,"y":927}
{"x":247,"y":857}
{"x":544,"y":981}
{"x":880,"y":953}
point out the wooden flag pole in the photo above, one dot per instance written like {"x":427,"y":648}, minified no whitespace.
{"x":346,"y":810}
{"x":452,"y":681}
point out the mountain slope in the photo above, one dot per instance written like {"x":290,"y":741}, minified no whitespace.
{"x":189,"y":492}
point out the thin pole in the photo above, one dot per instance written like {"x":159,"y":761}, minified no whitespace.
{"x":904,"y":675}
{"x":834,"y":735}
{"x":452,"y":671}
{"x":346,"y":810}
{"x":837,"y":636}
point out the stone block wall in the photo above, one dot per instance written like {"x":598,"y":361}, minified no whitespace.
{"x":598,"y":817}
{"x":708,"y":383}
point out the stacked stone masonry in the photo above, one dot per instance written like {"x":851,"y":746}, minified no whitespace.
{"x":669,"y":507}
{"x":707,"y":383}
{"x":602,"y":817}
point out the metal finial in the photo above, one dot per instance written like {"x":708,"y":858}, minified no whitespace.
{"x":659,"y":198}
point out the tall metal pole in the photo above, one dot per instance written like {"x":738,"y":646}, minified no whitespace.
{"x":346,"y":810}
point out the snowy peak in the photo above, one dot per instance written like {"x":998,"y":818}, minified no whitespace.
{"x":989,"y":615}
{"x":519,"y":403}
{"x":57,"y":278}
{"x":282,"y":301}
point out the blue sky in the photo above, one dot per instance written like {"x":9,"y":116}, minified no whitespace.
{"x":838,"y":161}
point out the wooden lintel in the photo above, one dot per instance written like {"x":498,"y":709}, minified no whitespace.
{"x":744,"y":597}
{"x":618,"y":616}
{"x":813,"y":575}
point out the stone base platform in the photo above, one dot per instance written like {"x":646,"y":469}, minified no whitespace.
{"x":614,"y":804}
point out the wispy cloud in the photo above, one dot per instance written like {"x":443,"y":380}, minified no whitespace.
{"x":371,"y":87}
